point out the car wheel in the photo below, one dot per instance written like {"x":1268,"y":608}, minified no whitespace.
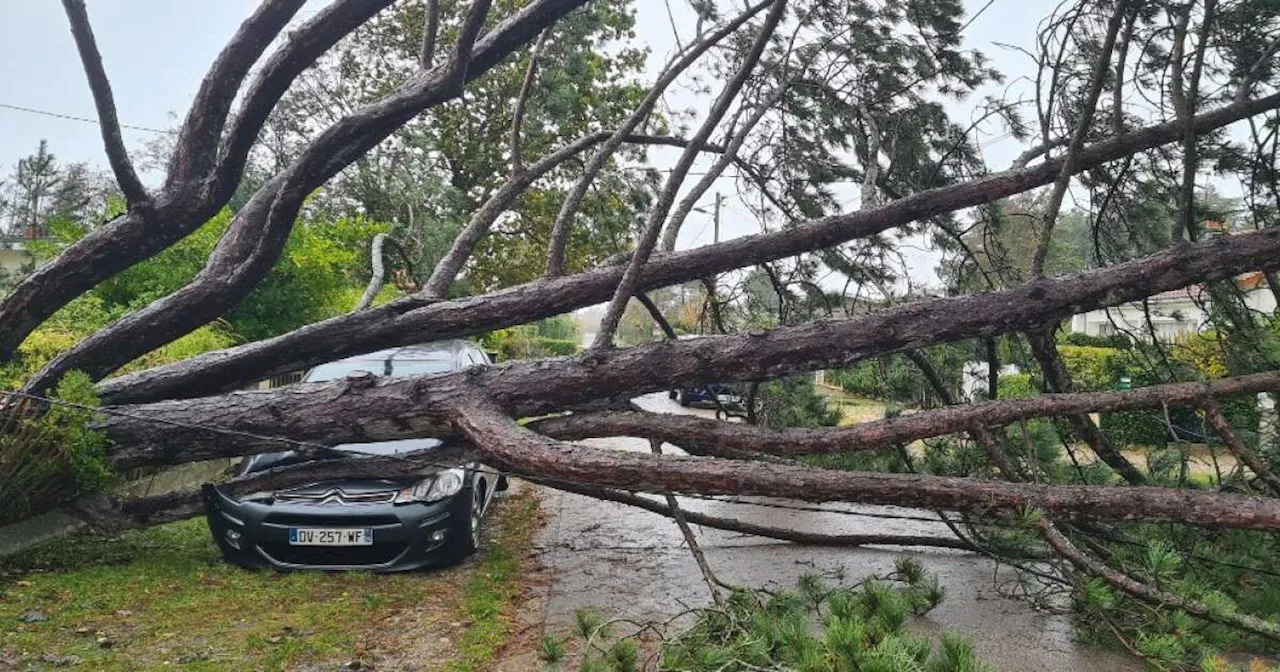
{"x":464,"y":533}
{"x":672,"y":394}
{"x":684,"y":400}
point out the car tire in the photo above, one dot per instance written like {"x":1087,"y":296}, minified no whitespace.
{"x":684,"y":400}
{"x":464,"y":532}
{"x":672,"y":394}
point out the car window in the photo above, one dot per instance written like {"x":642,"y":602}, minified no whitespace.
{"x":420,"y":367}
{"x":342,"y":369}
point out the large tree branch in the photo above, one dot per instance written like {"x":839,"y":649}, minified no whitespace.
{"x":509,"y":446}
{"x":556,"y":248}
{"x":302,"y":48}
{"x":703,"y":436}
{"x":185,"y":203}
{"x":415,"y":320}
{"x":398,"y":408}
{"x":259,"y":231}
{"x":134,"y":193}
{"x":1050,"y":215}
{"x":628,"y":284}
{"x":195,"y":153}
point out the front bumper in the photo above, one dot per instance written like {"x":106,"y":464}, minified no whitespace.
{"x":256,"y":534}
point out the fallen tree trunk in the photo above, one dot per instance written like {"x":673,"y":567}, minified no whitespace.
{"x":420,"y":319}
{"x":120,"y":513}
{"x":703,"y":436}
{"x":520,"y":451}
{"x":343,"y":413}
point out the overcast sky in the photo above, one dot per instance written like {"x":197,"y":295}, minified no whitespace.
{"x":156,"y":52}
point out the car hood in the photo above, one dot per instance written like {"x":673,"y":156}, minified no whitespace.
{"x":358,"y":486}
{"x":388,"y":447}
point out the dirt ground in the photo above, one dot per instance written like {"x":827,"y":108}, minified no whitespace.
{"x":632,"y":564}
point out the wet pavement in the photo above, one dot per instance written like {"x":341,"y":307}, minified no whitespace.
{"x":633,"y":564}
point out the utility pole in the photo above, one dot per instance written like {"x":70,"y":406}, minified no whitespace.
{"x":715,"y":219}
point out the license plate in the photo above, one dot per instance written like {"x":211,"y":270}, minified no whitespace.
{"x":315,"y":536}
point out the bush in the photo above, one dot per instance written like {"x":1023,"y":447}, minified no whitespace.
{"x":1017,"y":386}
{"x":1116,"y":341}
{"x":794,"y":402}
{"x":49,"y":456}
{"x":1093,"y":369}
{"x":525,"y":342}
{"x":558,"y":347}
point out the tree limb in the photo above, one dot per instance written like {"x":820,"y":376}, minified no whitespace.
{"x":415,"y":320}
{"x":1150,"y":593}
{"x":378,"y":275}
{"x":1050,"y":215}
{"x":556,"y":248}
{"x":522,"y":100}
{"x":745,"y":527}
{"x":430,"y":32}
{"x":134,"y":193}
{"x":516,"y":449}
{"x":627,"y":285}
{"x":1213,"y":413}
{"x":703,"y":436}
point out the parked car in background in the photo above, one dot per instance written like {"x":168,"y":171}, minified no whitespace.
{"x":713,"y":395}
{"x":369,"y":524}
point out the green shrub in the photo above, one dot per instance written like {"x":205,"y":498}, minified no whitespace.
{"x":50,"y":455}
{"x":558,"y":347}
{"x":794,"y":402}
{"x":1017,"y":386}
{"x":1093,"y":369}
{"x":1117,"y":341}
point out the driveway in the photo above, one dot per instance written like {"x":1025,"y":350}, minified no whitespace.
{"x":631,"y":563}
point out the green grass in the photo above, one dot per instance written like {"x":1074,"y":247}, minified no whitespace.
{"x":165,"y":600}
{"x":490,"y":592}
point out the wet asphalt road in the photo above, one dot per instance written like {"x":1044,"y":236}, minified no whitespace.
{"x":631,"y":563}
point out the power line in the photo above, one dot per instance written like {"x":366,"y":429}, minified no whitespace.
{"x":87,"y":120}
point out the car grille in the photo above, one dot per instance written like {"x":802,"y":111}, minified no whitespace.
{"x":334,"y":556}
{"x":318,"y":520}
{"x":336,"y":496}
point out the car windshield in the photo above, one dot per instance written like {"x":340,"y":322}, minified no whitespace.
{"x":378,"y":367}
{"x":389,"y":366}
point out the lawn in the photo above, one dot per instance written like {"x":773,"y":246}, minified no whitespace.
{"x":162,"y":599}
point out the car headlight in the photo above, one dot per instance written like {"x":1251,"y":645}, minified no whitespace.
{"x":434,"y":488}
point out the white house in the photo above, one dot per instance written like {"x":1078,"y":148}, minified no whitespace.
{"x":1172,"y":313}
